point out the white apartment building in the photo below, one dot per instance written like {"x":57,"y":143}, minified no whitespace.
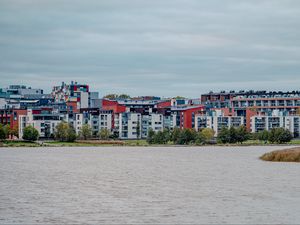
{"x":128,"y":125}
{"x":152,"y":121}
{"x":218,"y":122}
{"x":98,"y":121}
{"x":260,"y":123}
{"x":44,"y":122}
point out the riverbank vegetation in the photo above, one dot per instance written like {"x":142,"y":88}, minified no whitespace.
{"x":288,"y":155}
{"x":65,"y":135}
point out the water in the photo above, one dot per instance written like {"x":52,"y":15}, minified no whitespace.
{"x":116,"y":185}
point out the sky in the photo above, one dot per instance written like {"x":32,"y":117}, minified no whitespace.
{"x":151,"y":47}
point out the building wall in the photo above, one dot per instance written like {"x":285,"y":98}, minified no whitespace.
{"x":128,"y":123}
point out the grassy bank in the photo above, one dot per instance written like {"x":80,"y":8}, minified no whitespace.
{"x":16,"y":143}
{"x":288,"y":155}
{"x":82,"y":143}
{"x":99,"y":143}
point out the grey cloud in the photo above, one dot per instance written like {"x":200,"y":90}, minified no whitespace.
{"x":171,"y":47}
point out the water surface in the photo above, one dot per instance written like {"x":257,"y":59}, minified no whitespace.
{"x":113,"y":185}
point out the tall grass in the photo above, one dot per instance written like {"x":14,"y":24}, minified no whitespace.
{"x":289,"y":155}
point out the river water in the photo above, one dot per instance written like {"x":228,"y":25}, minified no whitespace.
{"x":157,"y":185}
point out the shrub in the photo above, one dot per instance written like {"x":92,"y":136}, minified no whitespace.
{"x":187,"y":136}
{"x":200,"y":139}
{"x":263,"y":136}
{"x":2,"y":132}
{"x":175,"y":135}
{"x":65,"y":132}
{"x":104,"y":134}
{"x":150,"y":136}
{"x":86,"y":131}
{"x":283,"y":135}
{"x":242,"y":134}
{"x":30,"y":133}
{"x":224,"y":135}
{"x":207,"y":134}
{"x":71,"y":134}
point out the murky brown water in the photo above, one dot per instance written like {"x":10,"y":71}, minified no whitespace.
{"x":147,"y":185}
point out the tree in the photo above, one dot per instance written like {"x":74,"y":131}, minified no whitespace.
{"x":175,"y":135}
{"x":224,"y":135}
{"x":61,"y":131}
{"x":207,"y":134}
{"x":263,"y":136}
{"x":7,"y":130}
{"x":150,"y":136}
{"x":200,"y":139}
{"x":115,"y":96}
{"x":158,"y":138}
{"x":124,"y":96}
{"x":242,"y":134}
{"x":283,"y":135}
{"x":179,"y":97}
{"x":71,"y":137}
{"x":30,"y":133}
{"x":232,"y":135}
{"x":138,"y":129}
{"x":64,"y":132}
{"x":166,"y":136}
{"x":111,"y":96}
{"x":104,"y":134}
{"x":2,"y":132}
{"x":14,"y":132}
{"x":86,"y":131}
{"x":187,"y":136}
{"x":272,"y":135}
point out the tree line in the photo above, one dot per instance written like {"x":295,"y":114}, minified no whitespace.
{"x":230,"y":135}
{"x":65,"y":132}
{"x":6,"y":132}
{"x":178,"y":136}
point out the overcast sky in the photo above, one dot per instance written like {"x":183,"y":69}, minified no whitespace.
{"x":151,"y":47}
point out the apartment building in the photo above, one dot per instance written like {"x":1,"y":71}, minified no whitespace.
{"x":44,"y":120}
{"x":260,"y":123}
{"x":130,"y":125}
{"x":97,"y":119}
{"x":218,"y":122}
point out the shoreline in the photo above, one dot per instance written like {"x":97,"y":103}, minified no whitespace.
{"x":131,"y":143}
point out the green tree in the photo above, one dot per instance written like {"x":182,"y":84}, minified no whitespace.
{"x":61,"y":131}
{"x":187,"y":136}
{"x":104,"y":134}
{"x":175,"y":134}
{"x":272,"y":135}
{"x":65,"y":132}
{"x":86,"y":131}
{"x":111,"y":96}
{"x":30,"y":133}
{"x":263,"y":136}
{"x":14,"y":131}
{"x":158,"y":138}
{"x":2,"y":132}
{"x":224,"y":135}
{"x":150,"y":136}
{"x":200,"y":139}
{"x":138,"y":129}
{"x":71,"y":134}
{"x":7,"y":130}
{"x":166,"y":136}
{"x":242,"y":134}
{"x":124,"y":96}
{"x":233,"y":135}
{"x":179,"y":97}
{"x":283,"y":136}
{"x":207,"y":134}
